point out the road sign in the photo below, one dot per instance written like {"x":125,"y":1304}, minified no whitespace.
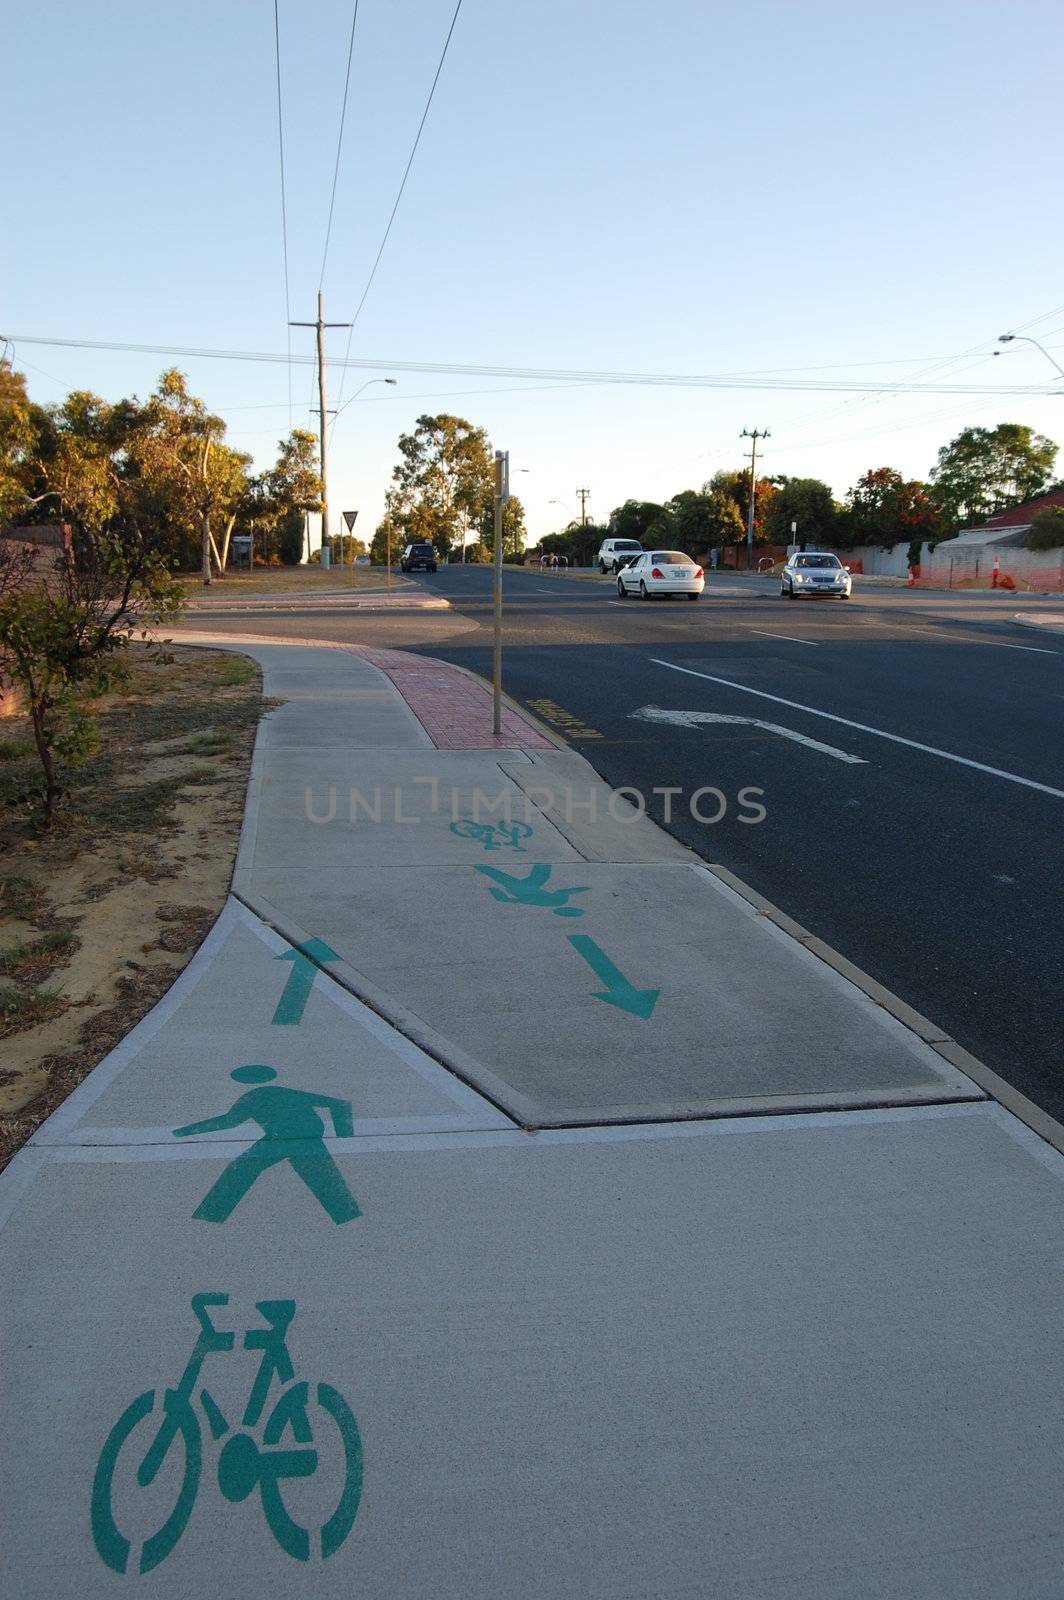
{"x":349,"y":518}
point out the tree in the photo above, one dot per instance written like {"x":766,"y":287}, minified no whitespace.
{"x":985,"y":470}
{"x":19,"y":428}
{"x":62,"y":631}
{"x":513,"y":528}
{"x":442,"y":481}
{"x":1047,"y":529}
{"x":884,"y":508}
{"x":282,"y":496}
{"x":810,"y":504}
{"x":735,"y":487}
{"x":697,"y":519}
{"x":639,"y":519}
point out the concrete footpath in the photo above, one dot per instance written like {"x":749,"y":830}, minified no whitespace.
{"x":505,"y":1203}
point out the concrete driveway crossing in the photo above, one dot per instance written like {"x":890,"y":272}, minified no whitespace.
{"x":311,"y":1293}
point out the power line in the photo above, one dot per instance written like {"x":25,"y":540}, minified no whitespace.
{"x":689,"y":380}
{"x":339,"y":147}
{"x":284,"y":203}
{"x":402,"y":186}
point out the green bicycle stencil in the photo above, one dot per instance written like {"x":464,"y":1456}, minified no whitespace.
{"x":244,"y":1465}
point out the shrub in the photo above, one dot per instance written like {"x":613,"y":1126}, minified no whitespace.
{"x":1047,"y":529}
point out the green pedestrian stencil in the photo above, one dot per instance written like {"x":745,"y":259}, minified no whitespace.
{"x":292,"y":1131}
{"x":494,"y":835}
{"x":133,"y":1456}
{"x":532,"y":890}
{"x":305,"y":959}
{"x":619,"y":991}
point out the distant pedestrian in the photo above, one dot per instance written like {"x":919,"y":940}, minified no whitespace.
{"x":714,"y":558}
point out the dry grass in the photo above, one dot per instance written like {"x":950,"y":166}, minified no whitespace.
{"x":98,"y":917}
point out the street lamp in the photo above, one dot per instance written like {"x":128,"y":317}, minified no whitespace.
{"x":1007,"y":338}
{"x":335,"y":418}
{"x":356,"y":394}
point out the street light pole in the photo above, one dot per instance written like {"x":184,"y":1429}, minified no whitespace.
{"x":1007,"y":338}
{"x":754,"y":436}
{"x":335,"y":416}
{"x":502,"y":494}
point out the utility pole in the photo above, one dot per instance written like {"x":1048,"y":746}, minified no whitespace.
{"x":583,"y":493}
{"x":754,"y":436}
{"x":502,"y":494}
{"x":321,"y":326}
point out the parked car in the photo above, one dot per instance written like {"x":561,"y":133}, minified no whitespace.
{"x":616,"y":553}
{"x":418,"y":555}
{"x":814,"y":572}
{"x":660,"y":572}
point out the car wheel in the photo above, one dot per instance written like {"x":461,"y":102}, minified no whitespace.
{"x":602,"y":568}
{"x":643,"y":590}
{"x":622,"y":592}
{"x":694,"y":597}
{"x":789,"y":592}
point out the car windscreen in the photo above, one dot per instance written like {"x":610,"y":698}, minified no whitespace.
{"x":817,"y":561}
{"x":670,"y":558}
{"x":420,"y":549}
{"x":626,"y":544}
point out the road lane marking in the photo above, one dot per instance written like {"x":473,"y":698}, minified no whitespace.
{"x":952,"y":638}
{"x":693,"y":719}
{"x":789,"y":637}
{"x":862,"y":727}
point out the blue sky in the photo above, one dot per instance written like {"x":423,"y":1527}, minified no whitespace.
{"x":814,"y":190}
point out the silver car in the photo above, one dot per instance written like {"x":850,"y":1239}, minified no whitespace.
{"x":815,"y":572}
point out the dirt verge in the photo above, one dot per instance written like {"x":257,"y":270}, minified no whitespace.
{"x":100,"y":915}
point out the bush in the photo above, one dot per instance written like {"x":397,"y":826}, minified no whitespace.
{"x":1047,"y":529}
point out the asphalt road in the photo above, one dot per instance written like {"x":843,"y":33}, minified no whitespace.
{"x":936,"y":869}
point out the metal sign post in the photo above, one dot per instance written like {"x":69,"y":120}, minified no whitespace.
{"x":502,"y":494}
{"x":349,"y":522}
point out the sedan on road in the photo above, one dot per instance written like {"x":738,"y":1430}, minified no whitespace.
{"x":815,"y":572}
{"x":660,"y":572}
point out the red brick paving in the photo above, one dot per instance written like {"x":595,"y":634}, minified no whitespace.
{"x":454,"y":709}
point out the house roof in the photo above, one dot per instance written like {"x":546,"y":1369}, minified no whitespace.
{"x":1020,"y":516}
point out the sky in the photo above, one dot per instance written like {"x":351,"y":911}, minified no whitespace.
{"x":787,"y":193}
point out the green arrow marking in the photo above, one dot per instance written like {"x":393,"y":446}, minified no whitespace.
{"x":305,"y":961}
{"x":619,"y":992}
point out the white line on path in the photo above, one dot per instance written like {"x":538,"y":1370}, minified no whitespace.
{"x":789,"y":637}
{"x":862,"y":727}
{"x":693,"y":719}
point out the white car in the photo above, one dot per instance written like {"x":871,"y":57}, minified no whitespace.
{"x":658,"y":572}
{"x":815,"y":572}
{"x":616,"y":553}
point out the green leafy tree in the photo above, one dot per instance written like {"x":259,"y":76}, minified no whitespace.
{"x":441,"y":483}
{"x":283,"y":495}
{"x":63,"y":629}
{"x":809,"y":503}
{"x":513,"y":528}
{"x":20,"y":428}
{"x":985,"y":470}
{"x":735,"y":487}
{"x":1047,"y":529}
{"x":700,"y":519}
{"x":644,"y":520}
{"x":884,"y":508}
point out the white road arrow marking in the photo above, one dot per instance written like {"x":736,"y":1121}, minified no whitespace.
{"x":694,"y":719}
